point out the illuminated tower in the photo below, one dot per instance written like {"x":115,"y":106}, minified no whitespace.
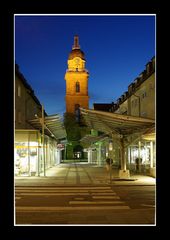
{"x":76,"y":80}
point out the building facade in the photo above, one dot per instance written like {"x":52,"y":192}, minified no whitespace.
{"x":76,"y":78}
{"x":34,"y":151}
{"x":26,"y":103}
{"x":139,"y":100}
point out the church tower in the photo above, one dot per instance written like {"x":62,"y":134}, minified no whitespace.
{"x":76,"y":80}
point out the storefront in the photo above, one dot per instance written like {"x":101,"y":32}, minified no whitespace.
{"x":133,"y":140}
{"x":30,"y":159}
{"x":142,"y":156}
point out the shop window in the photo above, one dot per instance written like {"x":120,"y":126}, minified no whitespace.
{"x":21,"y":159}
{"x":26,"y":153}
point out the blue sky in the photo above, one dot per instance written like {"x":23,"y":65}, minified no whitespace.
{"x":116,"y":48}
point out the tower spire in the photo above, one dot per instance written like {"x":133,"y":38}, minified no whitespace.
{"x":76,"y":42}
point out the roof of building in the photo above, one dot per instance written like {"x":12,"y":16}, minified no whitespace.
{"x":102,"y":106}
{"x":76,"y":53}
{"x":143,"y":76}
{"x":27,"y":85}
{"x":132,"y":88}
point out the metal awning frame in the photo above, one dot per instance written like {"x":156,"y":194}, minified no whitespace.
{"x":52,"y":126}
{"x":112,"y":123}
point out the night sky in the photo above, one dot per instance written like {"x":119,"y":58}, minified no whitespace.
{"x":116,"y":48}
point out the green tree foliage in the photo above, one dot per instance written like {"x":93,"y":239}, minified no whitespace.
{"x":72,"y":127}
{"x":75,"y":130}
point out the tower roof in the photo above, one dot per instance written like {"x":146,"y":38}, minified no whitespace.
{"x":76,"y":51}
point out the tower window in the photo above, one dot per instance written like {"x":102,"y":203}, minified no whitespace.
{"x":77,"y":87}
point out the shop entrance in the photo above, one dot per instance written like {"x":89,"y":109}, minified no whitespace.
{"x":78,"y":152}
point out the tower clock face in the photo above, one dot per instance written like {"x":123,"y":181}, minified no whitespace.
{"x":77,"y":61}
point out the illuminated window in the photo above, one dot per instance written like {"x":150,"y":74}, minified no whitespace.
{"x":77,"y":87}
{"x":19,"y":91}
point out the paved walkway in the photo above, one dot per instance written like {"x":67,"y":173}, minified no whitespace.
{"x":82,"y":173}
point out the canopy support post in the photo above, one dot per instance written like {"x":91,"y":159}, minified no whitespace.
{"x":123,"y":172}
